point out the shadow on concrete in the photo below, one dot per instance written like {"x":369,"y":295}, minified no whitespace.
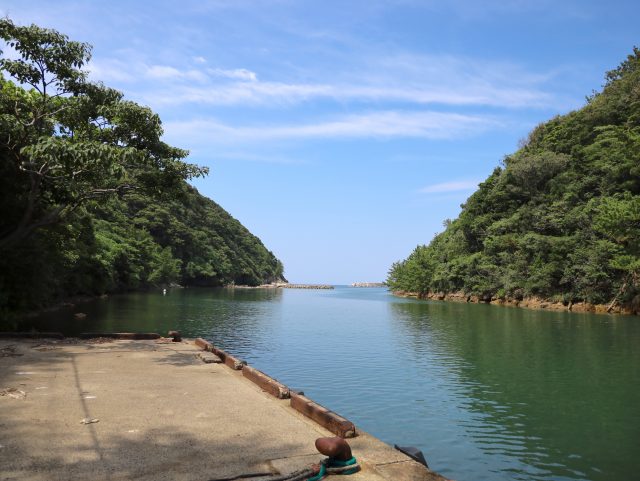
{"x":179,"y":359}
{"x":48,"y":445}
{"x":152,"y":454}
{"x":26,"y":357}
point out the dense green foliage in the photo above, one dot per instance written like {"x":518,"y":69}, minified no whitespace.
{"x":91,"y":199}
{"x":132,"y":243}
{"x":65,"y":141}
{"x":559,"y":220}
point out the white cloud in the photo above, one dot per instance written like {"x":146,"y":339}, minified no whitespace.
{"x":453,"y":186}
{"x":385,"y":124}
{"x":110,"y":70}
{"x":404,"y":78}
{"x":276,"y":92}
{"x":199,"y":59}
{"x":242,"y":93}
{"x":168,"y":72}
{"x":237,"y":74}
{"x":163,"y":71}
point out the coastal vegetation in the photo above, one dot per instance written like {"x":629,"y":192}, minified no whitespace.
{"x":559,"y":219}
{"x":92,"y":200}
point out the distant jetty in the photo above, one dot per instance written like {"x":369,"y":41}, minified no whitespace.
{"x":281,"y":285}
{"x":368,"y":284}
{"x":305,"y":286}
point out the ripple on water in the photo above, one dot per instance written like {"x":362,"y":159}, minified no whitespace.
{"x":488,"y":393}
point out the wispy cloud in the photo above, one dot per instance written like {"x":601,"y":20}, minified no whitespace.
{"x":163,"y":71}
{"x":240,"y":93}
{"x":237,"y":74}
{"x":110,"y":70}
{"x":403,"y":78}
{"x":452,"y":186}
{"x":171,"y":73}
{"x":261,"y":93}
{"x":386,"y":124}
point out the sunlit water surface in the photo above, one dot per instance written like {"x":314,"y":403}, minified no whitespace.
{"x":488,"y":393}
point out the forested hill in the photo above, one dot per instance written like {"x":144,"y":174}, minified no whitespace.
{"x":132,"y":243}
{"x":560,"y":220}
{"x":92,"y":200}
{"x":196,"y":242}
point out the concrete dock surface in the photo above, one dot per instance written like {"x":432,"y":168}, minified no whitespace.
{"x":154,"y":411}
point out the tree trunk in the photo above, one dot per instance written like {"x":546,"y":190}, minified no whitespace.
{"x":615,"y":299}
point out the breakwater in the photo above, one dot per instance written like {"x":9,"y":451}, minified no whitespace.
{"x":305,"y":286}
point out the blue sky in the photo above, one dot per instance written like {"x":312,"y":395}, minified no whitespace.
{"x":343,"y":133}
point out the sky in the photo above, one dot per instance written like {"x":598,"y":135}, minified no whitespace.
{"x":344,"y":133}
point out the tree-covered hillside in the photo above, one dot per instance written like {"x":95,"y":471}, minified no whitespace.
{"x":559,"y":220}
{"x":132,"y":243}
{"x":91,"y":199}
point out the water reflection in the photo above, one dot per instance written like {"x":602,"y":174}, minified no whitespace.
{"x":540,"y":391}
{"x":488,"y":393}
{"x":195,"y":311}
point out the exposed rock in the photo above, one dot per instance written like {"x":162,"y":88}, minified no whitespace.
{"x":583,"y":307}
{"x":457,"y":297}
{"x":632,"y":308}
{"x":635,"y":305}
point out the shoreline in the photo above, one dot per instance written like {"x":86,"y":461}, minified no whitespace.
{"x":74,"y":301}
{"x":281,"y":285}
{"x":69,"y":302}
{"x":535,"y":303}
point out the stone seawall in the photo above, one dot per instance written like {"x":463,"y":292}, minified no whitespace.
{"x":528,"y":302}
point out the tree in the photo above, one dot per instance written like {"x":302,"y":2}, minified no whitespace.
{"x":167,"y":268}
{"x":65,"y":141}
{"x":561,"y":218}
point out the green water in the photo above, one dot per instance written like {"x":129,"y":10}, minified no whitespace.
{"x":488,"y":393}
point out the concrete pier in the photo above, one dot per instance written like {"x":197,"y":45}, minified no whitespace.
{"x":153,"y":410}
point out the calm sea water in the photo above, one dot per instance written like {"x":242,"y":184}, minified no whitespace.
{"x":488,"y":393}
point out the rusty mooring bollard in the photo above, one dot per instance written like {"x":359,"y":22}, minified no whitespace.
{"x":176,"y":336}
{"x":336,"y":448}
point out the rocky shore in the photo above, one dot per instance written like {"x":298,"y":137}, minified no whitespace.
{"x":529,"y":302}
{"x":368,"y":284}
